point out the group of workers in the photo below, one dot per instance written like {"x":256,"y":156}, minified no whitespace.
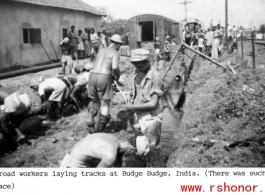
{"x":94,"y":81}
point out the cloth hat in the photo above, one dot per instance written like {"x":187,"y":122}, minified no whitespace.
{"x":116,"y":38}
{"x":157,"y":38}
{"x":88,"y":66}
{"x":139,"y":55}
{"x":167,"y":37}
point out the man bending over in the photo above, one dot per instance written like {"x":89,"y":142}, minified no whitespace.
{"x":102,"y":146}
{"x":14,"y":105}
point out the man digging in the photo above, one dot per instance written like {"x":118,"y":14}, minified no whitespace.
{"x":52,"y":92}
{"x":147,"y":89}
{"x":100,"y":83}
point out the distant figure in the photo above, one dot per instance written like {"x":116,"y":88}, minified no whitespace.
{"x":80,"y":44}
{"x":95,"y":42}
{"x":126,"y":39}
{"x":209,"y":37}
{"x":157,"y":49}
{"x":67,"y":49}
{"x":100,"y":83}
{"x":73,"y":38}
{"x":200,"y":43}
{"x":188,"y":37}
{"x":102,"y":146}
{"x":104,"y":39}
{"x":166,"y":48}
{"x":215,"y":44}
{"x":87,"y":44}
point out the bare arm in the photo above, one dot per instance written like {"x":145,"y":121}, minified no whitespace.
{"x":115,"y":65}
{"x":69,"y":83}
{"x":146,"y":106}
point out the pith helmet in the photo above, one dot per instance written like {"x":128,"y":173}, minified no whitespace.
{"x":116,"y":38}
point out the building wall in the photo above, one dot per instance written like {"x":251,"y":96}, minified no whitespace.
{"x":15,"y":16}
{"x":163,"y":28}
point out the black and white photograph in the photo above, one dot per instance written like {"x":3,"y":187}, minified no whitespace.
{"x":132,"y":84}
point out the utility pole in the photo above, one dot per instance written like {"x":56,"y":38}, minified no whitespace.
{"x":226,"y":22}
{"x":185,"y":4}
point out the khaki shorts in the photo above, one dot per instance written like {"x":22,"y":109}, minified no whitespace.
{"x":69,"y":162}
{"x":67,"y":59}
{"x":100,"y":86}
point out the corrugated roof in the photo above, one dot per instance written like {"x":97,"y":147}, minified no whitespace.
{"x":65,"y":4}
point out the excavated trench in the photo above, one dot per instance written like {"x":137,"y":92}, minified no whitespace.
{"x":174,"y":100}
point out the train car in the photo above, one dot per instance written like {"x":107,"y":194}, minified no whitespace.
{"x":190,"y":24}
{"x":145,"y":28}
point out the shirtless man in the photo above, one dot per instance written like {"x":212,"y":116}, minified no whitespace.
{"x":67,"y":54}
{"x":102,"y":146}
{"x":14,"y":104}
{"x":100,"y":83}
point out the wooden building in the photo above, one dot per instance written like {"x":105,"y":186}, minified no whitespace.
{"x":27,"y":25}
{"x":145,"y":28}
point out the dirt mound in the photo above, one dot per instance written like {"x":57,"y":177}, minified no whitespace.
{"x":223,"y":112}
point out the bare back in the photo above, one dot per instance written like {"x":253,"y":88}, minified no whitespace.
{"x":96,"y":146}
{"x":107,"y":60}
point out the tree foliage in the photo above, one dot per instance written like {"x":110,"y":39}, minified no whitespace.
{"x":113,"y":25}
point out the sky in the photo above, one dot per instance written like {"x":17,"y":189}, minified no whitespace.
{"x":240,"y":12}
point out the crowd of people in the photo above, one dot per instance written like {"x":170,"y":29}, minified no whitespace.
{"x":91,"y":88}
{"x":211,"y":42}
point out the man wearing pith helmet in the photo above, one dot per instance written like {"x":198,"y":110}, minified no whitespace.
{"x":147,"y":89}
{"x":100,"y":83}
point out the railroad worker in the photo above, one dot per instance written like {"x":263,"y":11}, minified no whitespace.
{"x":73,"y":38}
{"x":147,"y":89}
{"x":78,"y":85}
{"x":52,"y":92}
{"x":14,"y":104}
{"x":100,"y":83}
{"x":102,"y":146}
{"x":166,"y":48}
{"x":67,"y":48}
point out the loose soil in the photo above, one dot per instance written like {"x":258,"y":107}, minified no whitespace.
{"x":223,"y":115}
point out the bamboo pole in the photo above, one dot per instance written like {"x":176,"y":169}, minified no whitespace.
{"x":172,"y":59}
{"x":206,"y":57}
{"x":29,"y":70}
{"x":232,"y":69}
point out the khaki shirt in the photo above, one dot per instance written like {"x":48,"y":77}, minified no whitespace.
{"x":150,"y":85}
{"x":147,"y":124}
